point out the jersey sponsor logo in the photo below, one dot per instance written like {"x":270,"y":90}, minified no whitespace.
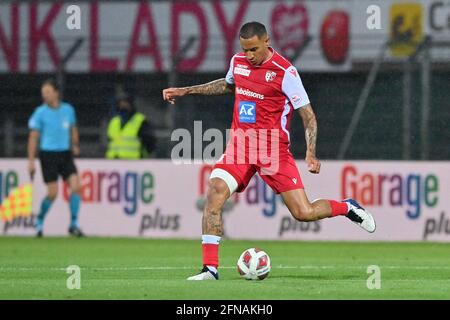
{"x":295,"y":98}
{"x":247,"y":112}
{"x":270,"y":76}
{"x":242,"y":71}
{"x":293,"y":72}
{"x":249,"y":93}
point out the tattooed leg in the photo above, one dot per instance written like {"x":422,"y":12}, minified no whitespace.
{"x":218,"y":193}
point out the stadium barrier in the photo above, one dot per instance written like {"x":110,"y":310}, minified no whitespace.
{"x":158,"y":199}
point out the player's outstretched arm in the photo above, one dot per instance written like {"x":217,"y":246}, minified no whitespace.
{"x":310,"y":126}
{"x":216,"y":87}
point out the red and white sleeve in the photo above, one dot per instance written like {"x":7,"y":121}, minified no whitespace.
{"x":229,"y":78}
{"x":293,"y":89}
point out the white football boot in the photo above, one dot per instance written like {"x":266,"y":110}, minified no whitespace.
{"x":360,"y":216}
{"x":205,"y":274}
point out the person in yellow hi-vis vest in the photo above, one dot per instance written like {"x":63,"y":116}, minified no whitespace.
{"x":130,"y":134}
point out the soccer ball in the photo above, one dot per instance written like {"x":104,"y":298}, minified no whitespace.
{"x":253,"y":264}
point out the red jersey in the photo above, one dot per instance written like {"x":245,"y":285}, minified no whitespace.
{"x":265,"y":95}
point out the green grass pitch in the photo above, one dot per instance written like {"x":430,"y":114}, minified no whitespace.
{"x":117,"y":268}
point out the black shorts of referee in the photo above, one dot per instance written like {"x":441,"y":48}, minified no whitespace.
{"x":55,"y":164}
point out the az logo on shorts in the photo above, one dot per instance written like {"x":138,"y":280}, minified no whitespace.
{"x":247,"y":112}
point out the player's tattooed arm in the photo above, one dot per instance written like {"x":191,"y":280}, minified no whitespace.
{"x":216,"y":87}
{"x":310,"y":126}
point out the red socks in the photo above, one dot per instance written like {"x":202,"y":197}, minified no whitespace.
{"x":210,"y":250}
{"x":210,"y":254}
{"x":338,"y":208}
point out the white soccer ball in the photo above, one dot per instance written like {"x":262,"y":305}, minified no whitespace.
{"x":253,"y":264}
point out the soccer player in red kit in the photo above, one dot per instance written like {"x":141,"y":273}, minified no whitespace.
{"x":268,"y":89}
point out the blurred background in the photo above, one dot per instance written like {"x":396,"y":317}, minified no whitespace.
{"x":377,"y":72}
